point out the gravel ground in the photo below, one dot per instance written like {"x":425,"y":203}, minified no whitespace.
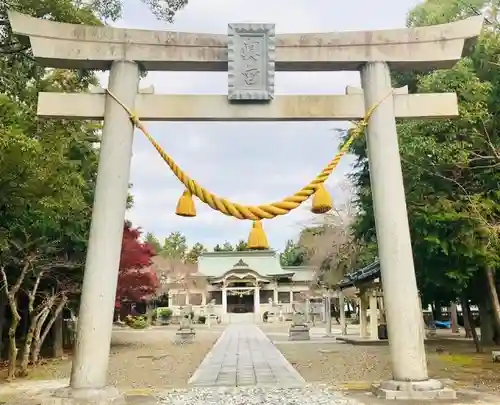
{"x":146,"y":358}
{"x":256,"y":396}
{"x":337,"y":363}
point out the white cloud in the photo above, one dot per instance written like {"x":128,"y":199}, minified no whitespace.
{"x":250,"y":163}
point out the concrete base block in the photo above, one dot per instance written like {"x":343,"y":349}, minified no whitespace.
{"x":84,"y":396}
{"x":185,"y":336}
{"x":411,"y":390}
{"x":495,"y":355}
{"x":299,"y":332}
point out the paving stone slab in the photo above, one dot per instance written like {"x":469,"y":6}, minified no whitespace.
{"x":244,"y":356}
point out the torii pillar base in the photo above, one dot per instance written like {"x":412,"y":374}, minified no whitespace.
{"x":418,"y":390}
{"x":85,"y":396}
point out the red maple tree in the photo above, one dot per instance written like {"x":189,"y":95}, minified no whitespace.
{"x":137,"y":281}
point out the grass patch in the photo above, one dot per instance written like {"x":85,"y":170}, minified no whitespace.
{"x":353,"y":385}
{"x":462,"y":360}
{"x":140,"y":392}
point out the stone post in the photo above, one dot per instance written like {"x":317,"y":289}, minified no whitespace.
{"x":363,"y":320}
{"x":404,"y":322}
{"x":210,"y":311}
{"x":328,"y":314}
{"x":224,"y":303}
{"x":381,"y":308}
{"x":275,"y":294}
{"x":256,"y":304}
{"x":343,"y":323}
{"x":307,"y":310}
{"x":90,"y":363}
{"x":373,"y":315}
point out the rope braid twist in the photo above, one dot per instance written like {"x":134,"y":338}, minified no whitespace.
{"x":250,"y":212}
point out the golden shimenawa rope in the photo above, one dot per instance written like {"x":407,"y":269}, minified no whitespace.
{"x":250,"y":212}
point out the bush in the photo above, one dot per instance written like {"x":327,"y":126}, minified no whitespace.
{"x":164,"y":314}
{"x":136,"y":322}
{"x":202,"y":319}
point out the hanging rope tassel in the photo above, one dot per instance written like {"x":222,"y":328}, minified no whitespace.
{"x":185,"y":206}
{"x":322,"y":201}
{"x":257,"y":240}
{"x":250,"y":212}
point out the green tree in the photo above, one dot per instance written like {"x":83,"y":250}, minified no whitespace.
{"x":47,"y":178}
{"x":165,"y":10}
{"x":196,"y":251}
{"x":18,"y":68}
{"x":47,"y":169}
{"x":153,"y":242}
{"x":174,"y":246}
{"x":241,"y":246}
{"x":293,"y":255}
{"x":450,"y":170}
{"x":226,"y":247}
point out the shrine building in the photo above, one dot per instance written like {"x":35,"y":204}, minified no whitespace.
{"x":241,"y":286}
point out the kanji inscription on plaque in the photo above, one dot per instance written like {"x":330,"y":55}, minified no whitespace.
{"x":251,"y":55}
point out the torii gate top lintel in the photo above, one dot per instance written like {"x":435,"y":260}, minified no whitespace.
{"x":73,"y":46}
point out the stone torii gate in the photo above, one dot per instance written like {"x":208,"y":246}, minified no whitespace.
{"x":250,"y":53}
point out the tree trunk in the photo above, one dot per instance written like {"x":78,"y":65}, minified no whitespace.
{"x":3,"y":302}
{"x":37,"y":345}
{"x":495,"y":304}
{"x":39,"y":340}
{"x":467,"y":325}
{"x":30,"y":322}
{"x":434,"y":311}
{"x":454,"y":318}
{"x":27,"y":344}
{"x":487,"y":327}
{"x":467,"y":314}
{"x":57,"y":340}
{"x":12,"y":300}
{"x":11,"y":373}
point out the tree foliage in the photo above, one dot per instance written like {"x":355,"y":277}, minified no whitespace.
{"x":451,"y":167}
{"x":47,"y":178}
{"x":174,"y":246}
{"x":226,"y":247}
{"x":136,"y":279}
{"x":241,"y":246}
{"x":153,"y":241}
{"x":293,"y":255}
{"x":329,"y":246}
{"x":196,"y":251}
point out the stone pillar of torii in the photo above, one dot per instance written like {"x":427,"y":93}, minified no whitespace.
{"x":251,"y":53}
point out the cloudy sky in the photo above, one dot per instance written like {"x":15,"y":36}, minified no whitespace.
{"x":250,"y":163}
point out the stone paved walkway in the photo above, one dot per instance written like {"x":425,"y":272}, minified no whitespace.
{"x":244,"y":356}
